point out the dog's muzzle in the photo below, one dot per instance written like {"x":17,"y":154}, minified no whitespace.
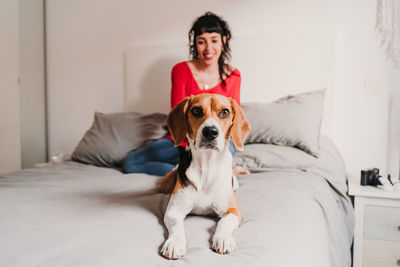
{"x":210,"y":133}
{"x":209,"y":136}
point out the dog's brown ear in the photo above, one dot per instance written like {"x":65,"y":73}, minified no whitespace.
{"x":240,"y":128}
{"x":177,"y":121}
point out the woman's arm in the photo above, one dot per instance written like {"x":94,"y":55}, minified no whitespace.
{"x":235,"y":88}
{"x":178,"y":81}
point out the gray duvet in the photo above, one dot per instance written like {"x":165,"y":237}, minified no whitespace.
{"x":71,"y":214}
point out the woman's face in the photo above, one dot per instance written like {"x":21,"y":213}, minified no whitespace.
{"x":209,"y":47}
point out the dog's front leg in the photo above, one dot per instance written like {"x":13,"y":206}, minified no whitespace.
{"x":178,"y":207}
{"x":223,"y":241}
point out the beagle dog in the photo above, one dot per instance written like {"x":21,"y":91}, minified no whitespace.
{"x":203,"y":182}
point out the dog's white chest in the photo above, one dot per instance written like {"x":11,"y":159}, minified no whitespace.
{"x":210,"y":169}
{"x":207,"y":203}
{"x":203,"y":204}
{"x":211,"y":176}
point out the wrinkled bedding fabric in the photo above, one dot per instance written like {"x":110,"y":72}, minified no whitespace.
{"x":71,"y":214}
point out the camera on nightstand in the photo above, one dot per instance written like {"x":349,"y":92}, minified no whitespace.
{"x":370,"y":177}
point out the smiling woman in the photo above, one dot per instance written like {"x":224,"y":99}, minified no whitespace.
{"x":207,"y":72}
{"x":209,"y":48}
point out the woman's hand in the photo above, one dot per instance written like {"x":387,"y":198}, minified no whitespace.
{"x":240,"y":170}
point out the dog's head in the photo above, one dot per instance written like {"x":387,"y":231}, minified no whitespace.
{"x":208,"y":120}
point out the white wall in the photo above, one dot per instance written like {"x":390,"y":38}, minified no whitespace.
{"x":362,"y":119}
{"x":87,"y":40}
{"x":394,"y":122}
{"x":10,"y":144}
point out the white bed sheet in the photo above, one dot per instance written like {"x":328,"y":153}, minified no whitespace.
{"x":72,"y":214}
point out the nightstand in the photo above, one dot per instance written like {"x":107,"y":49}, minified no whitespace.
{"x":377,"y":227}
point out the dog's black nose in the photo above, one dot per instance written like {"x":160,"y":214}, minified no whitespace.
{"x":210,"y":132}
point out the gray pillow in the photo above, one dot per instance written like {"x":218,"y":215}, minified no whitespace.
{"x":260,"y":157}
{"x":113,"y":135}
{"x":290,"y":121}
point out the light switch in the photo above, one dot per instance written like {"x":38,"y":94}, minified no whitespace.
{"x":373,"y":86}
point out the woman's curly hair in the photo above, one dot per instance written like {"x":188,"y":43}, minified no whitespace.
{"x":209,"y":23}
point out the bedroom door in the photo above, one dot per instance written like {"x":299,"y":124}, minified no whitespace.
{"x":32,"y":82}
{"x":10,"y":144}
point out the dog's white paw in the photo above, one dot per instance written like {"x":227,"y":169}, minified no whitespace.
{"x":223,"y":244}
{"x":174,"y":248}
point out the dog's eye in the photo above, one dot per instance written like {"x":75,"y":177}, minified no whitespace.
{"x":224,"y":113}
{"x":197,"y":112}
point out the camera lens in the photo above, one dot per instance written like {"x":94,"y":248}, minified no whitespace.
{"x":364,"y":177}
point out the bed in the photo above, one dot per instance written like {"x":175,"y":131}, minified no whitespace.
{"x":295,"y":207}
{"x":296,"y":212}
{"x":74,"y":214}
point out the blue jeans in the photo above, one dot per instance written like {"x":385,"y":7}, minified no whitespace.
{"x":156,"y":158}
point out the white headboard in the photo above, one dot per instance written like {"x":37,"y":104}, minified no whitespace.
{"x":272,"y":65}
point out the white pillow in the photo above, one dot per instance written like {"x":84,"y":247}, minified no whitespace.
{"x":260,"y":157}
{"x":113,"y":135}
{"x":290,"y":121}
